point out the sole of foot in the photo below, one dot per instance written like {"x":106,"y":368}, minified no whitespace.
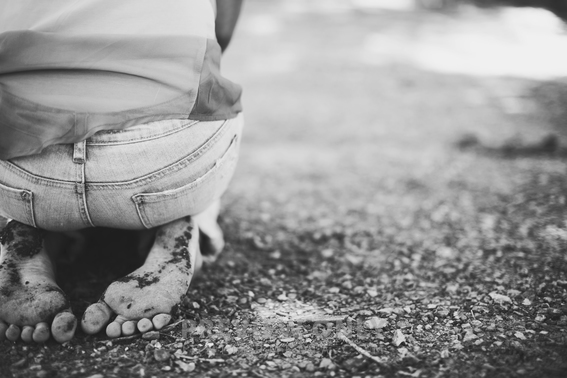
{"x":144,"y":299}
{"x":32,"y":306}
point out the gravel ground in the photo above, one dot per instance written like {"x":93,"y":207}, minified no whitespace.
{"x":414,"y":217}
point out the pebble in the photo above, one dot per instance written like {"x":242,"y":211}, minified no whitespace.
{"x":152,"y":335}
{"x":375,"y":323}
{"x":554,"y":313}
{"x":261,"y":300}
{"x":161,"y":355}
{"x":326,"y":364}
{"x":186,"y":367}
{"x":19,"y":363}
{"x":443,"y":313}
{"x":310,"y":367}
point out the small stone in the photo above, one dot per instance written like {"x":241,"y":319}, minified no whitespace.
{"x":152,"y":335}
{"x":554,"y":313}
{"x":282,"y":297}
{"x":310,"y":367}
{"x":288,"y":340}
{"x":347,"y":285}
{"x":231,"y":349}
{"x":326,"y":364}
{"x":443,"y":313}
{"x":19,"y":363}
{"x":96,"y":376}
{"x":499,"y":298}
{"x":261,"y":300}
{"x":376,"y":323}
{"x":186,"y":367}
{"x":371,"y":292}
{"x":161,"y":355}
{"x":327,"y":253}
{"x":398,"y":338}
{"x":334,"y":290}
{"x":520,"y":335}
{"x":469,"y":335}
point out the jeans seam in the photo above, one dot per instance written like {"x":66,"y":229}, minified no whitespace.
{"x":31,"y":209}
{"x":219,"y":163}
{"x":176,"y":166}
{"x":23,"y":174}
{"x":143,"y":139}
{"x":79,"y":159}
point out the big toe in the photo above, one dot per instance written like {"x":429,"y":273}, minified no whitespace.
{"x":95,"y":318}
{"x":63,"y":327}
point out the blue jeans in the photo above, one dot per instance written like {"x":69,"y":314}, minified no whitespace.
{"x":141,"y":177}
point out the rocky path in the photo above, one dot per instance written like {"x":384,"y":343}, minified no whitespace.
{"x":413,"y":212}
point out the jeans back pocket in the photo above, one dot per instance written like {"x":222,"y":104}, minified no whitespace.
{"x":155,"y":209}
{"x":17,"y":204}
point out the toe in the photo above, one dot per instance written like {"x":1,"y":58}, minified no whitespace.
{"x":128,"y":328}
{"x":114,"y":329}
{"x":27,"y":334}
{"x":95,"y":318}
{"x":63,"y":327}
{"x":41,"y":333}
{"x":3,"y":328}
{"x":145,"y":325}
{"x":161,"y":320}
{"x":13,"y":332}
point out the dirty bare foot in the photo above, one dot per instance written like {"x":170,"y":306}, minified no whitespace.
{"x":29,"y":297}
{"x":144,"y":299}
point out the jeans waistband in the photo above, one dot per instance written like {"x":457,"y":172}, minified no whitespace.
{"x":140,"y":133}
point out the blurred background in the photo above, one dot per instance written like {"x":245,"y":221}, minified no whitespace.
{"x":366,"y":106}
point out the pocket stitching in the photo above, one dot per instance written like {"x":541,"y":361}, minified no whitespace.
{"x":25,"y":196}
{"x":152,"y":198}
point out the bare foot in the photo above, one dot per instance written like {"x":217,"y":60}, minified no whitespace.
{"x":29,"y":297}
{"x":144,"y":299}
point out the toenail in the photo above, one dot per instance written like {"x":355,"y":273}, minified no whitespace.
{"x":113,"y":330}
{"x":145,"y":325}
{"x":13,"y":332}
{"x":161,"y":320}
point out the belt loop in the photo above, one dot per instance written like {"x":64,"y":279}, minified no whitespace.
{"x":80,"y":152}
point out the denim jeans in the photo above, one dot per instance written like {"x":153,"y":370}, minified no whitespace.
{"x":137,"y":178}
